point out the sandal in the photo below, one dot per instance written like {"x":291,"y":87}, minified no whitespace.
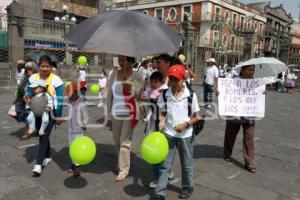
{"x":250,"y":168}
{"x":227,"y":159}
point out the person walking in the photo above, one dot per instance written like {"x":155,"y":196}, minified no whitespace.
{"x":211,"y":79}
{"x":55,"y":89}
{"x":123,"y":89}
{"x":78,"y":119}
{"x":178,"y":130}
{"x":290,"y":81}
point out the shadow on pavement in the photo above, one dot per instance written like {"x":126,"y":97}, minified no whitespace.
{"x":207,"y":151}
{"x":75,"y":182}
{"x":142,"y":176}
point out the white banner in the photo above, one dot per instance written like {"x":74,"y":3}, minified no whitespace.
{"x":241,"y":97}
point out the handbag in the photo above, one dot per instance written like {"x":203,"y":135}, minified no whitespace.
{"x":12,"y":111}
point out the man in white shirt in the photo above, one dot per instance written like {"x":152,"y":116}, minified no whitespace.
{"x":211,"y":79}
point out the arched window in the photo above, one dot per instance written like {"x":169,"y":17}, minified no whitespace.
{"x":145,"y":12}
{"x":227,"y":16}
{"x":224,"y":41}
{"x":172,"y":14}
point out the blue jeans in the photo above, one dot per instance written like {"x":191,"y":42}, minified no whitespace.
{"x":208,"y":93}
{"x":185,"y":149}
{"x":31,"y":120}
{"x":44,"y":150}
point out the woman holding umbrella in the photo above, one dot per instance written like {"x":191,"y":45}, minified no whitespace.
{"x":123,"y":88}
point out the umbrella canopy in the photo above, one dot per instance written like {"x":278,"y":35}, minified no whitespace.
{"x":264,"y":66}
{"x":128,"y":33}
{"x":35,"y":55}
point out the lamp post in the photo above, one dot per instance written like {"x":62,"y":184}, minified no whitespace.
{"x":68,"y":19}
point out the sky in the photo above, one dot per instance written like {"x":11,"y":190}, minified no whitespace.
{"x":4,"y":4}
{"x":291,"y":6}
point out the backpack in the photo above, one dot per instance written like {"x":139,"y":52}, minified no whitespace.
{"x":199,"y":125}
{"x":40,"y":102}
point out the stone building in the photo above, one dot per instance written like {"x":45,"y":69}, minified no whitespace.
{"x":228,"y":30}
{"x":277,"y":34}
{"x":294,"y":53}
{"x":41,"y":24}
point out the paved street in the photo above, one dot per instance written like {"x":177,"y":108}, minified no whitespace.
{"x":277,"y":145}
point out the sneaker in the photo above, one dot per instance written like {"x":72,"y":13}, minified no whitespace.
{"x":31,"y":130}
{"x":46,"y":162}
{"x":76,"y":171}
{"x":153,"y":184}
{"x":157,"y":197}
{"x":171,"y":175}
{"x":71,"y":169}
{"x":186,"y":193}
{"x":207,"y":106}
{"x":41,"y":132}
{"x":37,"y":170}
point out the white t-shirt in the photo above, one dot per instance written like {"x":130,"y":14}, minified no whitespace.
{"x":211,"y":73}
{"x":145,"y":73}
{"x":82,"y":75}
{"x":20,"y":76}
{"x":177,"y":112}
{"x":55,"y":83}
{"x":102,"y":82}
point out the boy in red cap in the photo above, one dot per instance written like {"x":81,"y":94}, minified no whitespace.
{"x":177,"y":118}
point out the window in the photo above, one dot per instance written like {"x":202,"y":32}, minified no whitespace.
{"x":261,"y":28}
{"x":187,"y":11}
{"x":250,"y":24}
{"x":172,"y":14}
{"x":159,"y":14}
{"x":145,"y":12}
{"x":224,"y":41}
{"x":232,"y":43}
{"x":242,"y":23}
{"x":218,"y":14}
{"x":255,"y":26}
{"x":216,"y":39}
{"x":234,"y":19}
{"x":227,"y":16}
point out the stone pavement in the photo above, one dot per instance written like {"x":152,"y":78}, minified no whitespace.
{"x":277,"y":145}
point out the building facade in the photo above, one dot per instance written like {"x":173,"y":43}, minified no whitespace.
{"x":294,"y":53}
{"x":44,"y":28}
{"x":227,"y":30}
{"x":277,"y":34}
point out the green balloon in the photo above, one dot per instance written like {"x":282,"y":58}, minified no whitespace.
{"x":82,"y":60}
{"x":95,"y":89}
{"x":155,"y":148}
{"x":82,"y":150}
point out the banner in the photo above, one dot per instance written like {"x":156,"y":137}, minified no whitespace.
{"x":241,"y":97}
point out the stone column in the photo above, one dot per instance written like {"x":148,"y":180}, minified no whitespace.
{"x":15,"y":12}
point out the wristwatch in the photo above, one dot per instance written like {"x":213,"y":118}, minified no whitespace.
{"x":187,"y":125}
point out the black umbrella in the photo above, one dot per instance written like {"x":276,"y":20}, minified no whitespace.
{"x":128,"y":33}
{"x":35,"y":55}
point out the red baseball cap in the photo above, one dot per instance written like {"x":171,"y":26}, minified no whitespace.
{"x":177,"y":71}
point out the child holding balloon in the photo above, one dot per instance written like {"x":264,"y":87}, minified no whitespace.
{"x":177,"y":125}
{"x":77,"y":119}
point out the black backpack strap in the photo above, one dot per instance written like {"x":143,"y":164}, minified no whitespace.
{"x":190,"y":98}
{"x":165,"y":98}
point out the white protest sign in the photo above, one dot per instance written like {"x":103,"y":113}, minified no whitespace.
{"x":241,"y":97}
